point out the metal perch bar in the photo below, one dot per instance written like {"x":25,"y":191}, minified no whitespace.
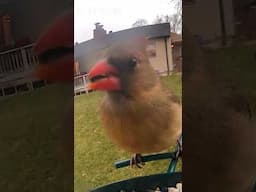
{"x":147,"y":158}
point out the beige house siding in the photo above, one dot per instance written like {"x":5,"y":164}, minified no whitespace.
{"x":159,"y":62}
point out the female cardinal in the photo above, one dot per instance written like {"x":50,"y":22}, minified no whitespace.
{"x":138,"y":115}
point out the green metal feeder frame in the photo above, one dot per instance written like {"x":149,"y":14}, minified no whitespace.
{"x":151,"y":182}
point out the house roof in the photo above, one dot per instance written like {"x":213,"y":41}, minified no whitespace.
{"x":149,"y":31}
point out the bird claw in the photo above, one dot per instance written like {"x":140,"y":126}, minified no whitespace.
{"x":137,"y":160}
{"x":179,"y":148}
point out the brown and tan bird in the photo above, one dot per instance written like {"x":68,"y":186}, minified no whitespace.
{"x":137,"y":113}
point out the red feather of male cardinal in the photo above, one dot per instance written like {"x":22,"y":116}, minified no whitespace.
{"x":55,"y":50}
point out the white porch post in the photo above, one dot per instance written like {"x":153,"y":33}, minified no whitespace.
{"x":24,"y":58}
{"x":30,"y":86}
{"x":84,"y":83}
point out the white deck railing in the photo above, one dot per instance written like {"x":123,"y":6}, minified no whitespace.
{"x":80,"y":84}
{"x":16,"y":61}
{"x":16,"y":66}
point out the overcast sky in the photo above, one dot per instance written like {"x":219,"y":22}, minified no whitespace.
{"x":115,"y":15}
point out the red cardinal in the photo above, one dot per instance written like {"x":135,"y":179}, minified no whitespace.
{"x":136,"y":112}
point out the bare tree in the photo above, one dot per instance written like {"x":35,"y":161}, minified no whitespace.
{"x":178,"y":6}
{"x":175,"y":23}
{"x":140,"y":22}
{"x":174,"y":20}
{"x":159,"y":19}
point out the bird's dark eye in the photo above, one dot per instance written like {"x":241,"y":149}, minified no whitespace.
{"x":133,"y":62}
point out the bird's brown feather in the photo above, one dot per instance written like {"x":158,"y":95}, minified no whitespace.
{"x":144,"y":120}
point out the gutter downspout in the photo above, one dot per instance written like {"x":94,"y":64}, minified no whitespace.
{"x":167,"y":59}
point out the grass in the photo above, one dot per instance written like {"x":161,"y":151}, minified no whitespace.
{"x":29,"y":150}
{"x":29,"y":140}
{"x":236,"y":65}
{"x":95,"y":154}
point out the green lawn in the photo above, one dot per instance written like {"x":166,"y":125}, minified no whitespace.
{"x":236,"y":65}
{"x":94,"y":153}
{"x":34,"y":142}
{"x":30,"y":140}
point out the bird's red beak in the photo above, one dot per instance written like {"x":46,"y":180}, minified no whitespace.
{"x":104,"y":77}
{"x":57,"y":45}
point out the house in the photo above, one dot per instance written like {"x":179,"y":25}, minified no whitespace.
{"x":159,"y":47}
{"x":211,"y":22}
{"x":21,"y":22}
{"x":164,"y":52}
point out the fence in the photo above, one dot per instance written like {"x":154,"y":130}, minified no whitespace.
{"x":80,"y":84}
